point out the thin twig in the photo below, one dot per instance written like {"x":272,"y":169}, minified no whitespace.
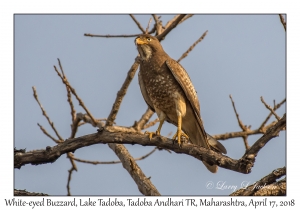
{"x":45,"y":114}
{"x":73,"y":112}
{"x":112,"y":36}
{"x":269,"y":108}
{"x":69,"y":180}
{"x":65,"y":81}
{"x":144,"y":119}
{"x":282,"y":21}
{"x":121,"y":93}
{"x":269,"y":116}
{"x":115,"y":161}
{"x":172,"y":26}
{"x":158,"y":24}
{"x":138,"y":24}
{"x":148,"y":25}
{"x":47,"y":134}
{"x":242,"y":126}
{"x":148,"y":125}
{"x":192,"y":47}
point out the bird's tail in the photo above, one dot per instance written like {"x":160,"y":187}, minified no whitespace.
{"x":198,"y":136}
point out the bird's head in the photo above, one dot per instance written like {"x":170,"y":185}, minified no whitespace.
{"x":147,"y":45}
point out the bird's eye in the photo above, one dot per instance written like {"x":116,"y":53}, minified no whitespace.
{"x":148,"y":39}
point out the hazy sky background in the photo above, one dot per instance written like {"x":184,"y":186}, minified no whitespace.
{"x":242,"y":55}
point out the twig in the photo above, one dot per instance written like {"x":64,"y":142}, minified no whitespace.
{"x":65,"y":81}
{"x":69,"y":180}
{"x":264,"y":182}
{"x":242,"y":126}
{"x":261,"y":142}
{"x":115,"y":161}
{"x":167,"y":30}
{"x":148,"y":125}
{"x":148,"y":25}
{"x":158,"y":24}
{"x":121,"y":93}
{"x":73,"y":112}
{"x":45,"y":114}
{"x":138,"y":24}
{"x":269,"y":116}
{"x":144,"y":119}
{"x":47,"y":134}
{"x":112,"y":36}
{"x":269,"y":108}
{"x":185,"y":18}
{"x":192,"y":47}
{"x":171,"y":21}
{"x":282,"y":21}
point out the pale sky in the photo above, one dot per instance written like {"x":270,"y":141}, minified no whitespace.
{"x":242,"y":55}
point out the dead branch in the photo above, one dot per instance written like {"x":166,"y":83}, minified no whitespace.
{"x":269,"y":116}
{"x":144,"y":119}
{"x":66,"y":82}
{"x":282,"y":21}
{"x":261,"y":142}
{"x":73,"y":112}
{"x":26,"y":193}
{"x":158,"y":24}
{"x":243,"y":165}
{"x":150,"y":124}
{"x":269,"y":108}
{"x":148,"y":25}
{"x":242,"y":126}
{"x":113,"y":36}
{"x":45,"y":114}
{"x":266,"y":182}
{"x":138,"y":24}
{"x":172,"y":26}
{"x":47,"y":134}
{"x":192,"y":47}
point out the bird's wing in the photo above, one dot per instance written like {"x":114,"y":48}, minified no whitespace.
{"x":185,"y":83}
{"x":144,"y":92}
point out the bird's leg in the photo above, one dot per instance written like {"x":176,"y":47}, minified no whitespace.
{"x":178,"y":132}
{"x":162,"y":118}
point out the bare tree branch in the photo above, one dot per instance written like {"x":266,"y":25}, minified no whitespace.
{"x":113,"y":36}
{"x":172,"y":26}
{"x":282,"y":21}
{"x":138,"y":24}
{"x":192,"y":47}
{"x":45,"y":114}
{"x":66,"y":82}
{"x":269,"y":116}
{"x":243,"y":165}
{"x":269,"y":108}
{"x":263,"y":183}
{"x":47,"y":134}
{"x":144,"y":119}
{"x":26,"y":193}
{"x":260,"y":143}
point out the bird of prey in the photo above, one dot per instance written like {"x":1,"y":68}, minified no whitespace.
{"x":167,"y":89}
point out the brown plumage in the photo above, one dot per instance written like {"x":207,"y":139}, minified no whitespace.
{"x":168,"y":90}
